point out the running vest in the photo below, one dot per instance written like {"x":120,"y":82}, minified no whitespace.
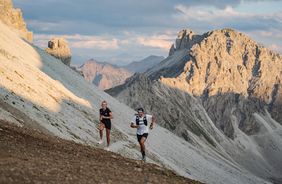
{"x":144,"y":120}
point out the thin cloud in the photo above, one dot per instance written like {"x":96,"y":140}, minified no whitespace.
{"x":201,"y":14}
{"x":80,"y":41}
{"x":96,"y":43}
{"x":201,"y":17}
{"x":162,"y":41}
{"x":154,"y":42}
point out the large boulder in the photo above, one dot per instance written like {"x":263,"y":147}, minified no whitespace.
{"x":14,"y":19}
{"x":59,"y":48}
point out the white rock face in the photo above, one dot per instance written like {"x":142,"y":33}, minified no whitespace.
{"x":59,"y":48}
{"x":14,"y":19}
{"x":226,"y":59}
{"x":221,"y":81}
{"x":228,"y":69}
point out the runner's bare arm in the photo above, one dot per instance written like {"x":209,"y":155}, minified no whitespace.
{"x":132,"y":125}
{"x":153,"y":121}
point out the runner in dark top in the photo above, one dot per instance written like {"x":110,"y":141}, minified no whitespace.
{"x":105,"y":122}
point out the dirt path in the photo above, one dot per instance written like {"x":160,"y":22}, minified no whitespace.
{"x":28,"y":156}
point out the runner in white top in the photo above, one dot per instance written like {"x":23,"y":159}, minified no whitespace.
{"x":141,"y":122}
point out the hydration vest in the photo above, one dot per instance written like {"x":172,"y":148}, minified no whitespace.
{"x":144,"y":120}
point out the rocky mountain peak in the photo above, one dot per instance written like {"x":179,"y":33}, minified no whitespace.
{"x":186,"y":38}
{"x":228,"y":61}
{"x":226,"y":68}
{"x":14,"y":19}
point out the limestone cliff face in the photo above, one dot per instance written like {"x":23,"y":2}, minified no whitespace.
{"x":175,"y":110}
{"x":226,"y":61}
{"x":220,"y":87}
{"x":14,"y":19}
{"x":230,"y":74}
{"x":226,"y":69}
{"x":59,"y":48}
{"x":104,"y":75}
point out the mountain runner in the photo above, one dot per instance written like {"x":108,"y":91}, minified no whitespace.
{"x":105,"y":122}
{"x":141,"y":121}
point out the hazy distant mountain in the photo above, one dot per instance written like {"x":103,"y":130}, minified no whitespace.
{"x":104,"y":75}
{"x":144,"y":64}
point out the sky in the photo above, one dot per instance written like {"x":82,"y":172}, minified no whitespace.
{"x":122,"y":31}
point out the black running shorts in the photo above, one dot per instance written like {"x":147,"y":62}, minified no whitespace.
{"x":139,"y":137}
{"x":107,"y":124}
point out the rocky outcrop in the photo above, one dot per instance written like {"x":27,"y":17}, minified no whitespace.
{"x":186,"y":39}
{"x":14,"y":19}
{"x":228,"y":61}
{"x":227,"y":68}
{"x":104,"y":75}
{"x":58,"y":47}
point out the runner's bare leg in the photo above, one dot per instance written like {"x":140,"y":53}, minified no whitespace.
{"x":142,"y":144}
{"x":101,"y":127}
{"x":108,"y":131}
